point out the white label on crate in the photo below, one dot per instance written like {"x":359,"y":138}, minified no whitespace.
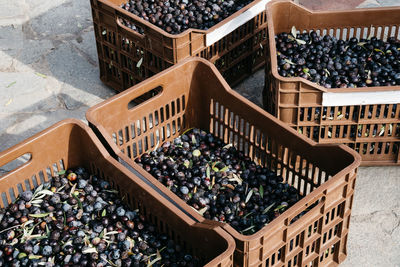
{"x":360,"y":98}
{"x":235,"y":23}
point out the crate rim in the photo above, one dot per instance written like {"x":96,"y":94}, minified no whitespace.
{"x":272,"y":48}
{"x":189,"y":30}
{"x":353,"y":166}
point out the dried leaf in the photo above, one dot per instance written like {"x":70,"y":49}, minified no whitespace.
{"x":236,"y":178}
{"x":194,"y":141}
{"x":139,"y":63}
{"x":8,"y":102}
{"x":201,"y":211}
{"x":231,"y":186}
{"x":249,"y":195}
{"x":294,"y":31}
{"x":288,"y":61}
{"x":300,"y":42}
{"x":72,"y":190}
{"x":361,"y":43}
{"x":382,"y":131}
{"x":154,"y":260}
{"x":227,"y":146}
{"x":89,"y":250}
{"x":390,"y":129}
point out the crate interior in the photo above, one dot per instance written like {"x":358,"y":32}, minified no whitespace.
{"x":74,"y":148}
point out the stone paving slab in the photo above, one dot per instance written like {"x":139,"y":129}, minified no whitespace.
{"x":49,"y":71}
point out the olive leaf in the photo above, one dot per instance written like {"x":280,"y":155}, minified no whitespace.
{"x":40,"y":215}
{"x":186,"y":163}
{"x":103,"y":213}
{"x":288,"y":61}
{"x":300,"y":42}
{"x":201,"y":211}
{"x":208,"y":171}
{"x":227,"y":146}
{"x":224,"y":169}
{"x":89,"y":250}
{"x":248,"y":214}
{"x":34,"y":257}
{"x":194,"y":141}
{"x":268,"y":208}
{"x":187,"y":130}
{"x":79,"y":201}
{"x":61,"y":172}
{"x":249,"y":195}
{"x":139,"y":63}
{"x":248,"y":229}
{"x":294,"y":31}
{"x":261,"y":190}
{"x":196,"y":153}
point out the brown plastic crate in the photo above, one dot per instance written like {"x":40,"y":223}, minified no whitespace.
{"x":194,"y":94}
{"x":236,"y":45}
{"x":69,"y":144}
{"x":366,"y":119}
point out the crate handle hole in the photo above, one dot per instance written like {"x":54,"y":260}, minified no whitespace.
{"x":144,"y":97}
{"x":15,"y":164}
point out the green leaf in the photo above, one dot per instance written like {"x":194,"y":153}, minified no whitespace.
{"x":186,"y":163}
{"x":79,"y":201}
{"x":215,"y":169}
{"x":34,"y":257}
{"x":248,"y":214}
{"x":196,"y":153}
{"x":62,"y":172}
{"x":248,"y":229}
{"x":268,"y":208}
{"x":187,"y":130}
{"x":40,"y":215}
{"x":261,"y":190}
{"x":11,"y":84}
{"x":190,"y":164}
{"x":41,"y":75}
{"x":224,"y":169}
{"x":208,"y":171}
{"x":22,"y":255}
{"x":378,"y":50}
{"x":249,"y":195}
{"x":103,"y":213}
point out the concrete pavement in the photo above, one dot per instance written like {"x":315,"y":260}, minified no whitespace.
{"x":49,"y":71}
